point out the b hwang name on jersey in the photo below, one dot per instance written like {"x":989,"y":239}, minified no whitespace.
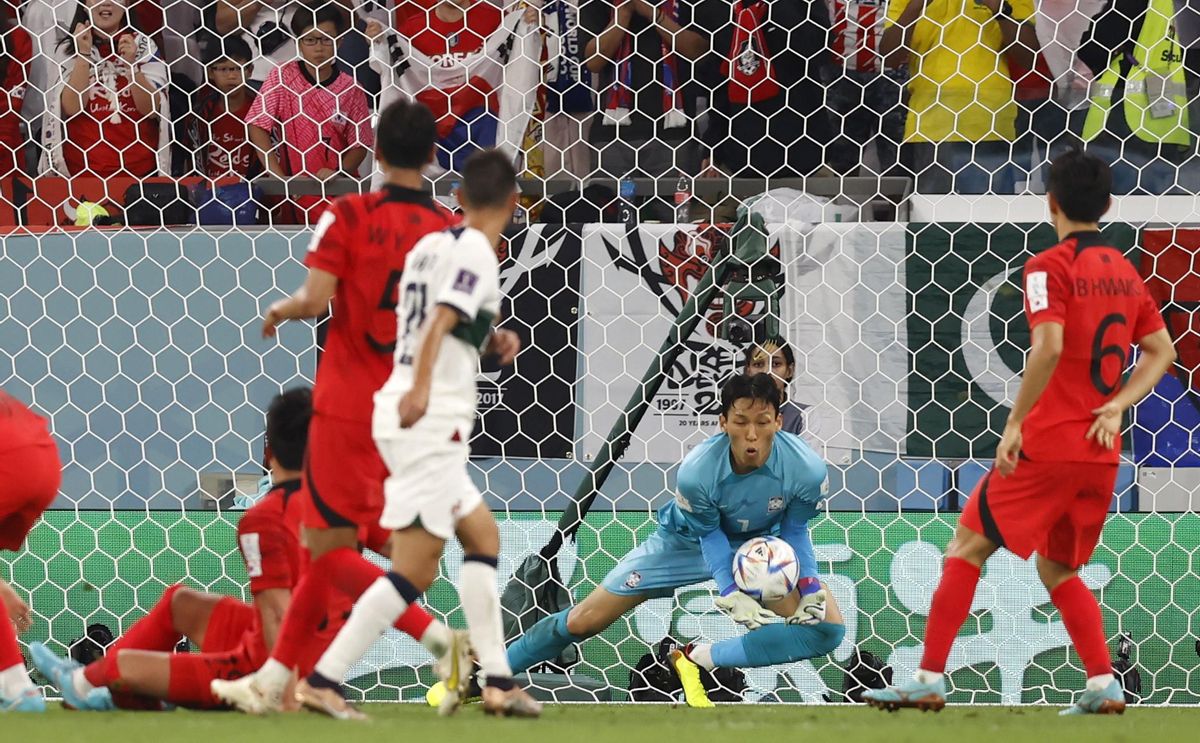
{"x":532,"y":414}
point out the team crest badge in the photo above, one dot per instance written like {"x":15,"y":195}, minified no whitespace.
{"x":748,"y":59}
{"x":775,"y":504}
{"x":452,"y":41}
{"x":634,"y":580}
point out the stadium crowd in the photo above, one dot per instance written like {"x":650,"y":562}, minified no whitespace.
{"x":964,"y":96}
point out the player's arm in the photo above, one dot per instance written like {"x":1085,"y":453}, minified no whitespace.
{"x":1157,"y":355}
{"x":794,"y":530}
{"x":1039,"y":368}
{"x":271,"y":603}
{"x":18,"y":611}
{"x":416,"y":400}
{"x":310,"y":300}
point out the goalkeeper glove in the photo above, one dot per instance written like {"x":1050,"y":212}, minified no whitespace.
{"x":812,"y":603}
{"x":744,"y":610}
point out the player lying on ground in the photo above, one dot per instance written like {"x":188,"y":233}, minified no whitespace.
{"x":30,"y":473}
{"x":233,"y":636}
{"x":751,"y":480}
{"x":356,"y":258}
{"x":1056,"y":463}
{"x":449,"y":301}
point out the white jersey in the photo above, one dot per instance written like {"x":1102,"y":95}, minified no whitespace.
{"x":457,"y":268}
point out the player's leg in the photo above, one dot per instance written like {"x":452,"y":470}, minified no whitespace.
{"x":477,"y":589}
{"x":1068,"y":546}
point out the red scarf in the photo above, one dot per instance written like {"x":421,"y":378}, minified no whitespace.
{"x":749,"y":68}
{"x":618,"y":108}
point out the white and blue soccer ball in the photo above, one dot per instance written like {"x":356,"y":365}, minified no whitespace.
{"x":765,"y":568}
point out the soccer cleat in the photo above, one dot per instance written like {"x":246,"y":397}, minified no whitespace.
{"x":327,"y":701}
{"x":1108,"y":701}
{"x":60,"y":672}
{"x":924,"y":697}
{"x":514,"y":702}
{"x":30,"y":700}
{"x":689,"y":677}
{"x":246,"y":695}
{"x":453,"y":667}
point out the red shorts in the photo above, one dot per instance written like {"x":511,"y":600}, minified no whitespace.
{"x":228,"y":625}
{"x":193,"y":673}
{"x":343,"y":474}
{"x":1056,"y":509}
{"x":29,"y":480}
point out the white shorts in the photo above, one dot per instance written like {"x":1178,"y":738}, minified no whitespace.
{"x":427,"y":479}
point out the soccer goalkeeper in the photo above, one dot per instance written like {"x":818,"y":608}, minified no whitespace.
{"x":751,"y":480}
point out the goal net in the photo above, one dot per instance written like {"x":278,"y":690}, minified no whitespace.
{"x":897,"y":269}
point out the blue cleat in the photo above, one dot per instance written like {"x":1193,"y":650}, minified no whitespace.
{"x":60,"y":673}
{"x":30,"y":700}
{"x":924,"y":697}
{"x":1108,"y":701}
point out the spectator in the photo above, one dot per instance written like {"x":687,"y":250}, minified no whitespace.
{"x":962,"y":114}
{"x":775,"y":357}
{"x":1137,"y":119}
{"x":641,"y":55}
{"x":16,"y":50}
{"x":477,"y":69}
{"x":864,"y":97}
{"x":570,"y":100}
{"x":316,"y":113}
{"x":221,"y":140}
{"x":263,"y":24}
{"x":107,"y":113}
{"x":768,"y":117}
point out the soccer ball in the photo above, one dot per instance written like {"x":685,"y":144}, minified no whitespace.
{"x":765,"y":568}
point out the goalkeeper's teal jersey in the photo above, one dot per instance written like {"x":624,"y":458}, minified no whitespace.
{"x":710,"y":495}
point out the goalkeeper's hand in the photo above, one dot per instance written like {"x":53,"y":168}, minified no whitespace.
{"x":812,"y":603}
{"x":744,"y":610}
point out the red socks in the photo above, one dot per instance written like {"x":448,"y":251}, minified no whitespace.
{"x":1085,"y":625}
{"x":354,"y":573}
{"x":951,"y":605}
{"x":10,"y":651}
{"x":341,"y":569}
{"x":155,"y":631}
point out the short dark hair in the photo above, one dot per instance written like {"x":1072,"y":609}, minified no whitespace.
{"x":1081,"y":184}
{"x":287,"y":426}
{"x":406,"y":134}
{"x":770,"y":345}
{"x":489,"y":179}
{"x":309,"y":16}
{"x":757,"y":387}
{"x":229,"y":47}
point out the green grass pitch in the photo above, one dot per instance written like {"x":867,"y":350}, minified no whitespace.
{"x":615,"y":724}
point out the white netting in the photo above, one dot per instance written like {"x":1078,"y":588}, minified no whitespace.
{"x":902,"y":307}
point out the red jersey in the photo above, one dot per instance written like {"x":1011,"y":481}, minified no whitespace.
{"x":363,"y":240}
{"x":447,"y":43}
{"x":857,"y":29}
{"x":1098,"y":297}
{"x":98,"y":146}
{"x":225,"y":139}
{"x":18,"y":50}
{"x":268,"y":538}
{"x":20,"y":426}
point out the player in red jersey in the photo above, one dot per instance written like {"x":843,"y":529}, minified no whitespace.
{"x":1056,"y":463}
{"x":356,"y":259}
{"x":30,"y":473}
{"x":233,"y":636}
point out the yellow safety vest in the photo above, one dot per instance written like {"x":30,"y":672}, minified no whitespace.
{"x":1155,"y":100}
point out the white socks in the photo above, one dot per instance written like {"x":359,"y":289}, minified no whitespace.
{"x":481,"y":606}
{"x":14,"y":680}
{"x":273,"y":677}
{"x":377,"y":609}
{"x":1100,"y":683}
{"x":701,"y":655}
{"x":927,"y":677}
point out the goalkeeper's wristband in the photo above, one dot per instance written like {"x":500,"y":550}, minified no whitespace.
{"x":729,"y":590}
{"x":808,"y":585}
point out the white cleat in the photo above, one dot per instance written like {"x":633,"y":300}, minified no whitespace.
{"x":246,"y":695}
{"x":454,"y":668}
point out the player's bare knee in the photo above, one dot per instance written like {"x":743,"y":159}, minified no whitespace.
{"x":1054,"y":574}
{"x":970,"y":546}
{"x":480,"y":536}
